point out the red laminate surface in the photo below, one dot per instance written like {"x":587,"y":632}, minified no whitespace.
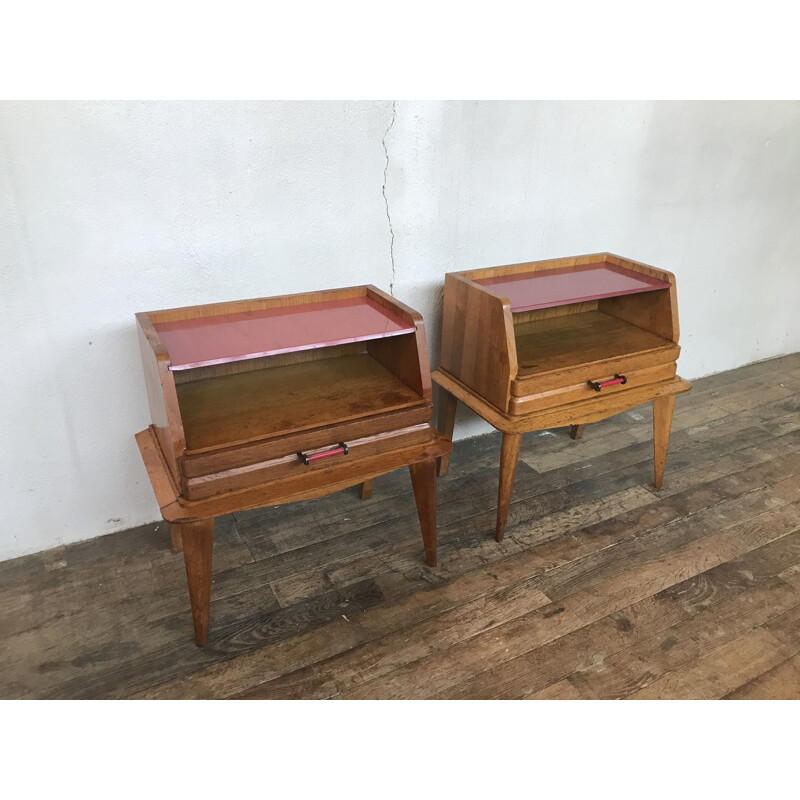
{"x":557,"y":287}
{"x":251,"y":334}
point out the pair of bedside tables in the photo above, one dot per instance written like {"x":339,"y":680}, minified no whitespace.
{"x":274,"y":400}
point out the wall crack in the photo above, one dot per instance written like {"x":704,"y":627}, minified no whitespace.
{"x":386,"y":199}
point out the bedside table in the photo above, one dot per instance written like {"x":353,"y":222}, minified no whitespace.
{"x":560,"y":342}
{"x":268,"y":401}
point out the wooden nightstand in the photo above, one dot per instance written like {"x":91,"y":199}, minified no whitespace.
{"x":559,"y":342}
{"x":268,"y":401}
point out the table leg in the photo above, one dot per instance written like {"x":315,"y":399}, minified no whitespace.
{"x":509,"y":453}
{"x":447,"y":422}
{"x":366,"y":490}
{"x":423,"y":479}
{"x":576,"y":431}
{"x":198,"y":541}
{"x":175,"y":537}
{"x":662,"y":422}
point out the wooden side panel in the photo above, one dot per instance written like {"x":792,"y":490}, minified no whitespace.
{"x":658,"y":312}
{"x":407,"y":357}
{"x":161,"y":394}
{"x":478,"y":345}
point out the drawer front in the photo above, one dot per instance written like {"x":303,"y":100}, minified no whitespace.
{"x":328,"y":455}
{"x":530,"y":383}
{"x":603,"y":385}
{"x":197,"y":464}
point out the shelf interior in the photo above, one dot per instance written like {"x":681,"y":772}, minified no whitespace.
{"x":556,"y":287}
{"x":226,"y":338}
{"x":567,"y":341}
{"x":246,"y":406}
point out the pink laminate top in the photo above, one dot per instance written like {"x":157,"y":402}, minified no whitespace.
{"x":250,"y":334}
{"x":557,"y":287}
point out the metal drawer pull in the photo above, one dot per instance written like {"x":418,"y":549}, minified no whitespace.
{"x":613,"y":382}
{"x":340,"y":450}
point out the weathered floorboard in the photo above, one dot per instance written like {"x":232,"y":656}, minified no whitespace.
{"x":602,"y":587}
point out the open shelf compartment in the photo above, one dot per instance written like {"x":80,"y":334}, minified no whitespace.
{"x":230,"y":409}
{"x":572,"y":340}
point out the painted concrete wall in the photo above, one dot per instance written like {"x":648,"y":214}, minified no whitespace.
{"x":113,"y":208}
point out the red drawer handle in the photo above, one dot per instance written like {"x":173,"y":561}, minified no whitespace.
{"x":613,"y":382}
{"x":340,"y":450}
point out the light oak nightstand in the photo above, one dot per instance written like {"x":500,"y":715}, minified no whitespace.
{"x":560,"y":342}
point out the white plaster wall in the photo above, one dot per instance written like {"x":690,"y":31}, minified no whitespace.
{"x":112,"y":208}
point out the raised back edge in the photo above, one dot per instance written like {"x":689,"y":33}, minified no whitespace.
{"x":255,"y":304}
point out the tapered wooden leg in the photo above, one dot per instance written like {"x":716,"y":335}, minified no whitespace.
{"x":447,"y":422}
{"x":366,"y":490}
{"x":509,"y":453}
{"x":662,"y":422}
{"x":423,"y":479}
{"x":175,"y":537}
{"x":198,"y":541}
{"x":576,"y":431}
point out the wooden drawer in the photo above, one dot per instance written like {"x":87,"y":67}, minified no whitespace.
{"x":290,"y":465}
{"x":198,"y":463}
{"x":542,"y":394}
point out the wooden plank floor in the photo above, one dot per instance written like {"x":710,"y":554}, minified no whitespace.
{"x":602,"y":588}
